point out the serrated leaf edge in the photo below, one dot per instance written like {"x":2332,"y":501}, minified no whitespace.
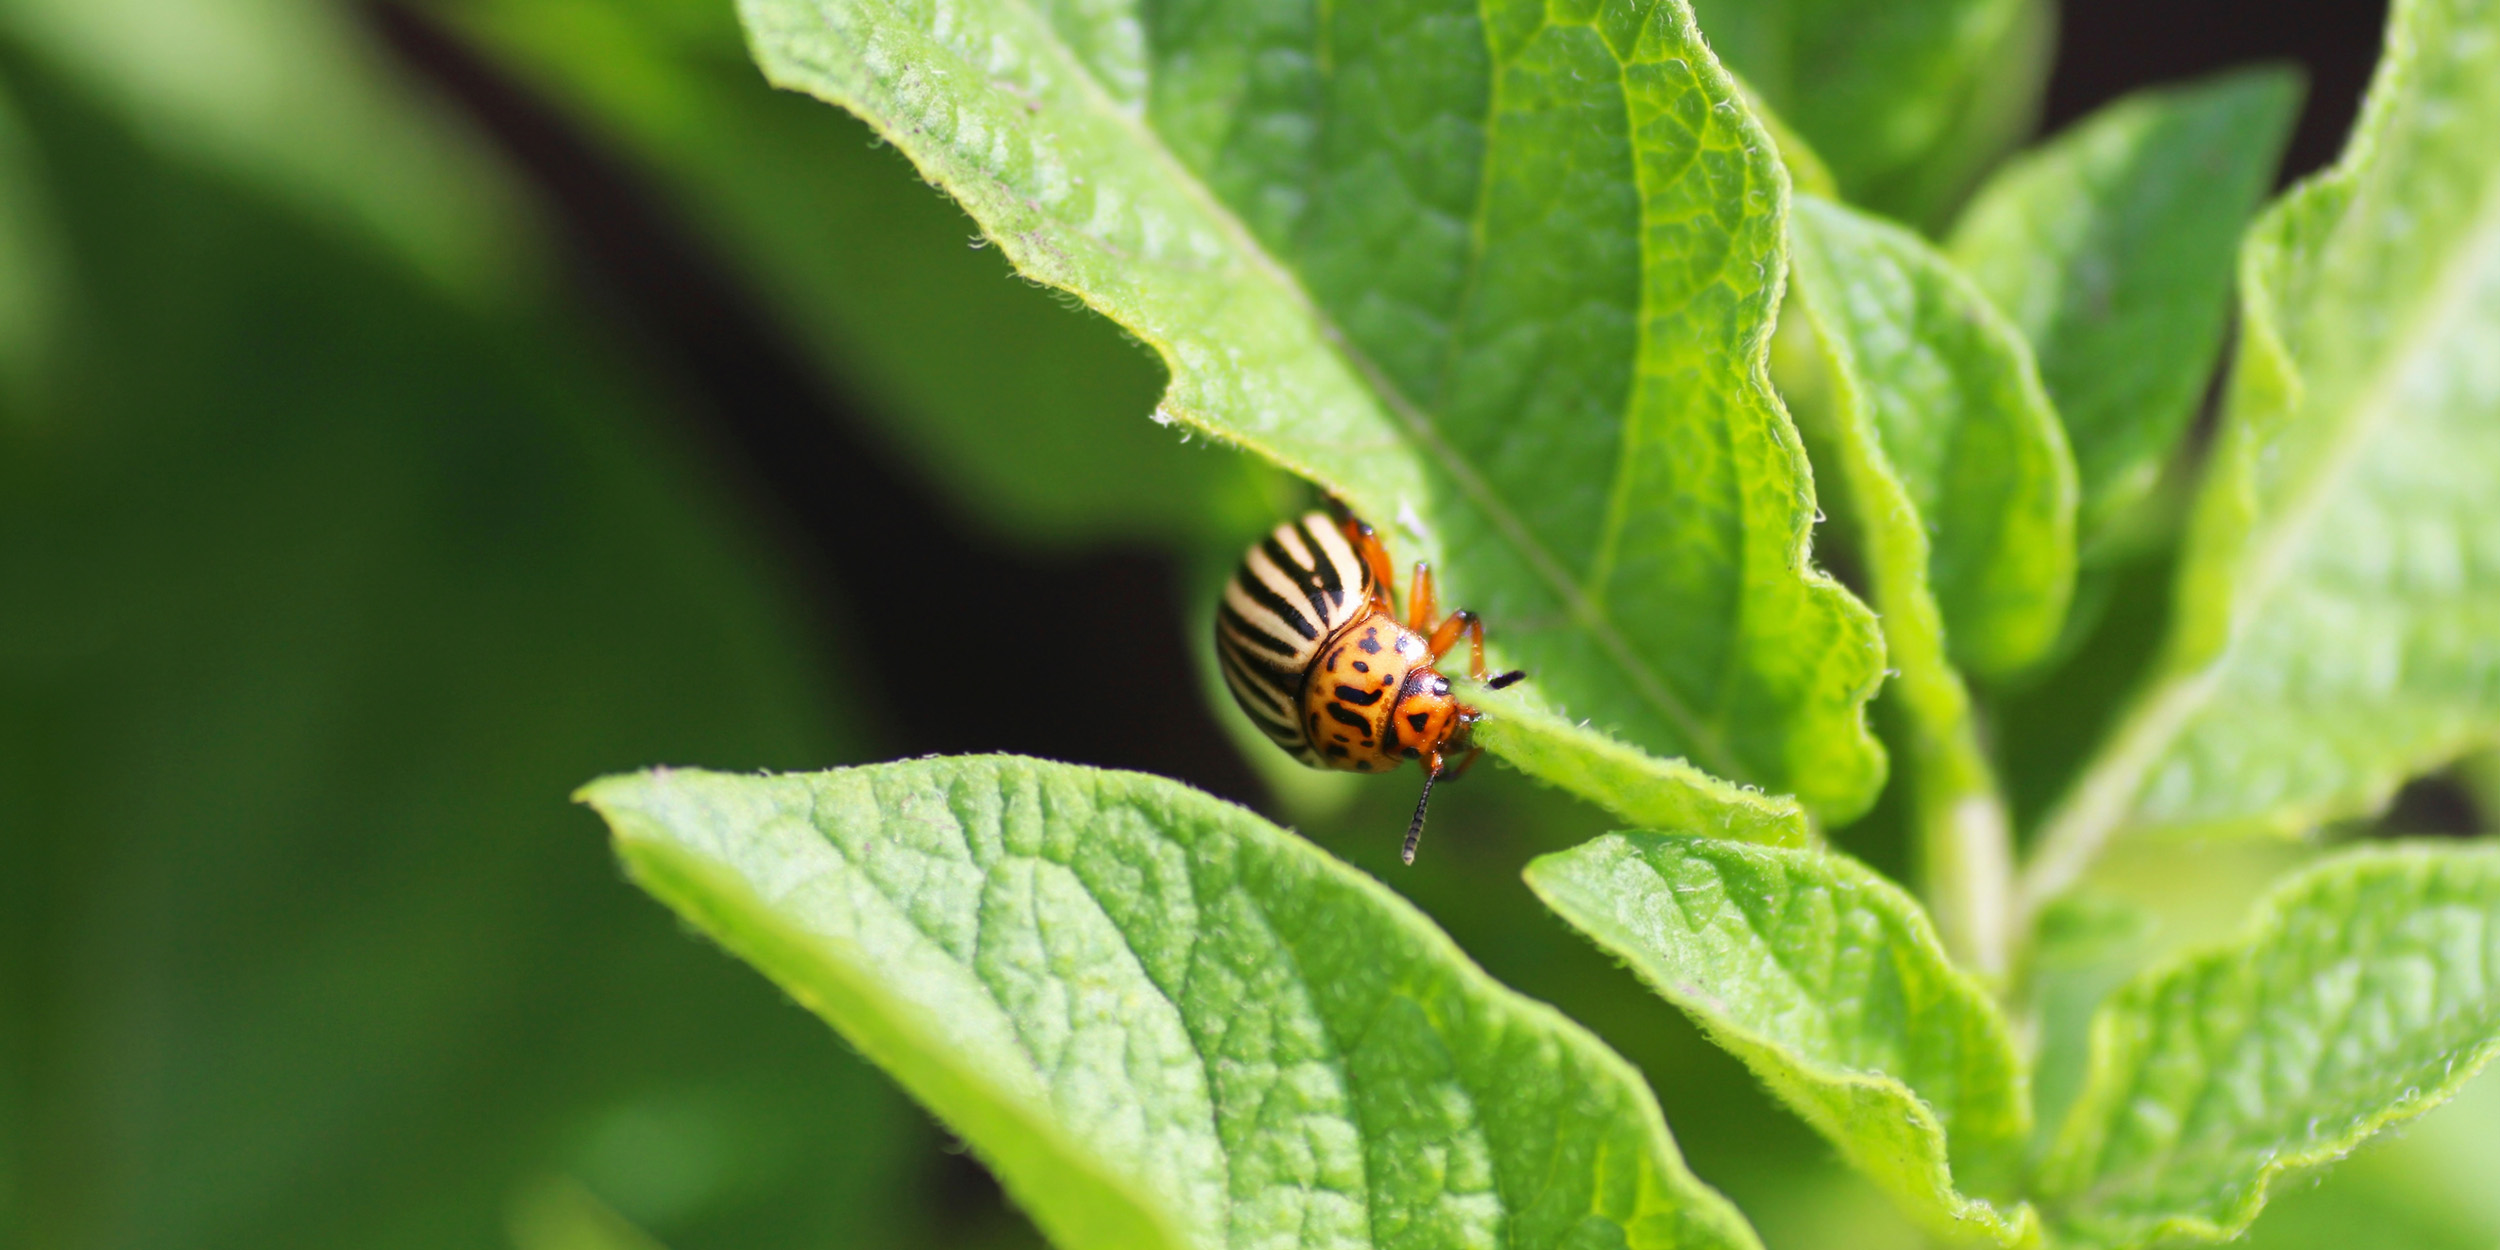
{"x":1706,"y":741}
{"x":2018,"y":1227}
{"x":2265,"y":920}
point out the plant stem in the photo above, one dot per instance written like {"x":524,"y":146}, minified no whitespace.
{"x":1965,"y":843}
{"x":2077,"y":831}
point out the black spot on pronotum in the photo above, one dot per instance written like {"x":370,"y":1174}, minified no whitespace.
{"x":1370,"y":642}
{"x":1418,"y":719}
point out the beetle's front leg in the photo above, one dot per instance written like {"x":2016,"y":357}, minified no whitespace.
{"x":1461,"y":621}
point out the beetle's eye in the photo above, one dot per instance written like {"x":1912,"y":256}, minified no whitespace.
{"x":1440,"y":685}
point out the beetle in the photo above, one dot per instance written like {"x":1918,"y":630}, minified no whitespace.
{"x":1313,"y":650}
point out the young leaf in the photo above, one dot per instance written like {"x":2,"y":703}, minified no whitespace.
{"x":2333,"y":633}
{"x":1827,"y":981}
{"x":1512,"y":301}
{"x":1161,"y":1020}
{"x":1631,"y":784}
{"x":1955,"y":462}
{"x":1963,"y":495}
{"x":2111,"y":245}
{"x":1881,"y":89}
{"x":2363,"y":995}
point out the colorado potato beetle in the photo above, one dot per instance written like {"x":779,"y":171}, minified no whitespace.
{"x":1312,"y":648}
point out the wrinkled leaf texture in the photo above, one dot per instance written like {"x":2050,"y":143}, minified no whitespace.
{"x":1501,"y":276}
{"x":1962,"y":484}
{"x":2110,"y":246}
{"x":2366,"y":993}
{"x":2338,"y":625}
{"x":1161,"y":1020}
{"x":1828,"y":981}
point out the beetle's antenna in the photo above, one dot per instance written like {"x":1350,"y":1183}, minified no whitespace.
{"x":1415,"y":829}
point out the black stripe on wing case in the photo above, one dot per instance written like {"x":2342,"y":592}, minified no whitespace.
{"x":1255,"y":589}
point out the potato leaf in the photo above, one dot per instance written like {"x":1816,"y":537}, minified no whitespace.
{"x":1963,"y":498}
{"x":1502,"y":277}
{"x":2110,"y":246}
{"x":1957,"y":469}
{"x":1906,"y":99}
{"x":1633,"y":785}
{"x":1161,"y":1020}
{"x":1827,"y":981}
{"x":2338,"y":591}
{"x":2364,"y":995}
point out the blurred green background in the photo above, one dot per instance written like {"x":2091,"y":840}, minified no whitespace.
{"x":409,"y":412}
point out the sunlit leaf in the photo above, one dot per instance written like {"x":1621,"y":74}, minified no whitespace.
{"x":2111,"y":246}
{"x":1512,"y":302}
{"x":2363,"y":996}
{"x":2340,"y":589}
{"x":1828,"y":982}
{"x":1161,"y":1020}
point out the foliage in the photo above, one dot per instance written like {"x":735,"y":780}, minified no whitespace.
{"x":1442,"y":261}
{"x":1163,"y":1021}
{"x":340,"y":543}
{"x":1578,"y":290}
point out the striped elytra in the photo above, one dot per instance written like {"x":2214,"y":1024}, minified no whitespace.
{"x":1294,"y":591}
{"x":1314,"y":652}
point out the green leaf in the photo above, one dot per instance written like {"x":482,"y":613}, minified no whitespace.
{"x":1889,"y":93}
{"x":1161,"y":1020}
{"x":2363,"y":995}
{"x":1627,"y":782}
{"x":2337,"y":593}
{"x":1963,"y":499}
{"x":1827,"y":981}
{"x":2111,"y":246}
{"x":1530,"y":344}
{"x":1957,"y":470}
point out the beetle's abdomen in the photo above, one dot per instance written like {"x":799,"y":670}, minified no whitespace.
{"x":1293,"y":592}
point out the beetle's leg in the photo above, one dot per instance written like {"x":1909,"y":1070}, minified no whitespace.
{"x":1421,"y":604}
{"x":1368,"y":549}
{"x":1465,"y":762}
{"x":1461,"y":621}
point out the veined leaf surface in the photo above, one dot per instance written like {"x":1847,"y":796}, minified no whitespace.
{"x":1500,"y":275}
{"x":1963,"y":495}
{"x":1161,"y":1020}
{"x":1957,"y":466}
{"x":2338,"y":626}
{"x":2111,"y":245}
{"x":2364,"y":995}
{"x":1827,"y":981}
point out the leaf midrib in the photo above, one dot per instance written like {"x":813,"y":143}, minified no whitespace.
{"x":1705,"y":740}
{"x":2106,"y":796}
